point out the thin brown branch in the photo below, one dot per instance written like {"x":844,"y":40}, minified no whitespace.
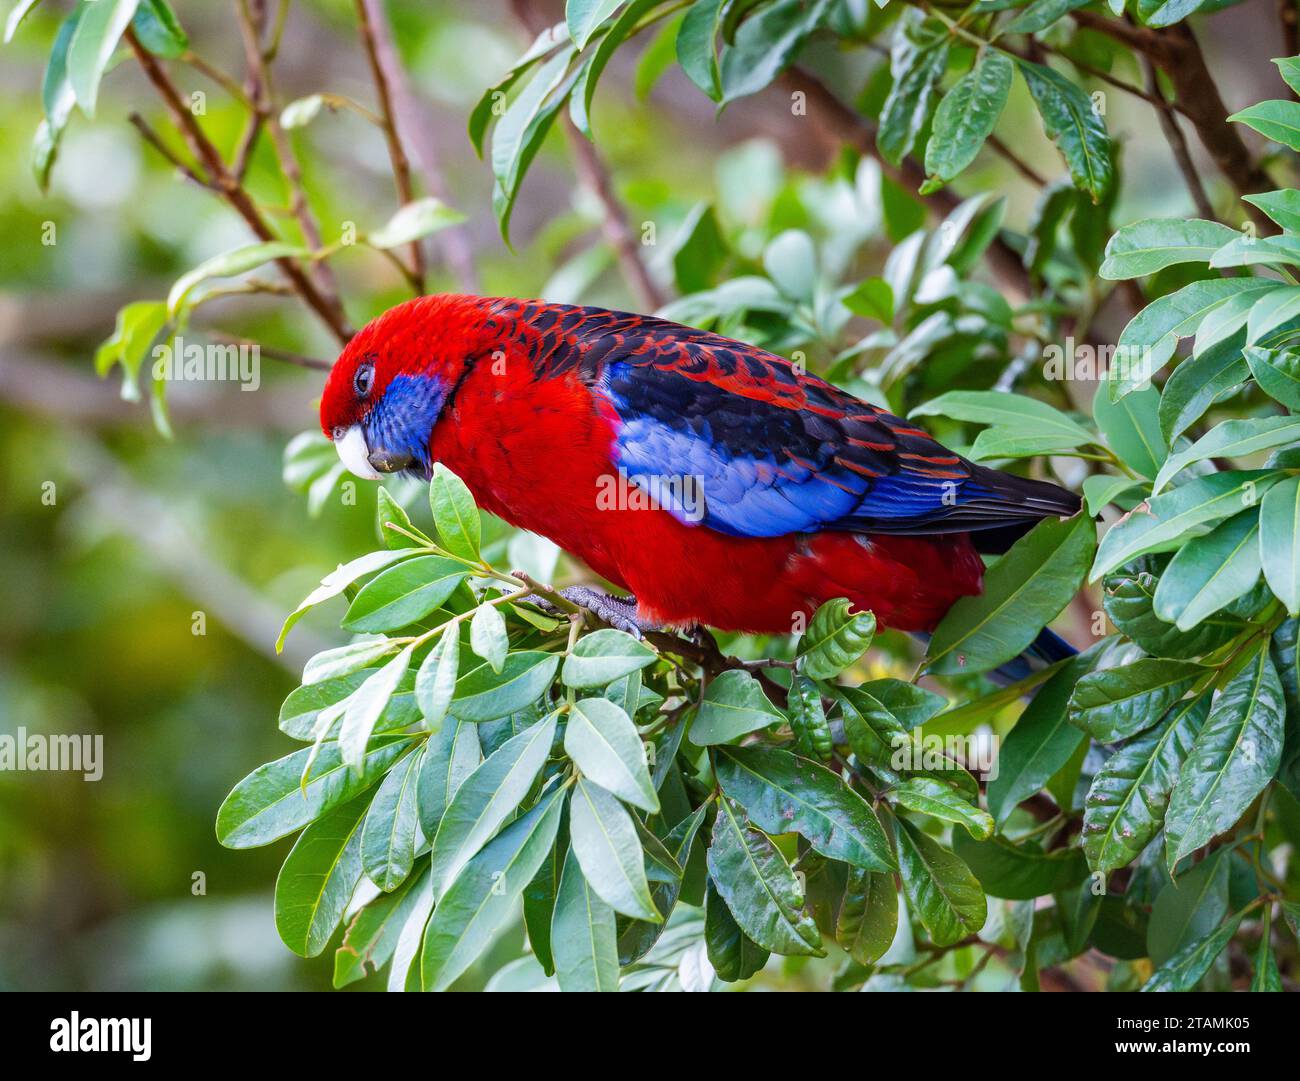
{"x":155,"y":140}
{"x":265,"y":110}
{"x":1177,"y":143}
{"x":1176,"y":52}
{"x":206,"y":152}
{"x":618,"y":234}
{"x":1018,"y":163}
{"x":284,"y":356}
{"x":415,"y":128}
{"x":367,"y":10}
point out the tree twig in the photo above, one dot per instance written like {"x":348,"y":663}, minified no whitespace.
{"x":1177,"y":143}
{"x":366,"y":10}
{"x":233,"y":192}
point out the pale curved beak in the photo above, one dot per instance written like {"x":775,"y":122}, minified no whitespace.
{"x":354,"y":454}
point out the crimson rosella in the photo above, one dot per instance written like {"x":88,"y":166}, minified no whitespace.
{"x":712,"y":480}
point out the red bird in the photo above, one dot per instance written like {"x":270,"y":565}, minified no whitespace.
{"x":710,"y":479}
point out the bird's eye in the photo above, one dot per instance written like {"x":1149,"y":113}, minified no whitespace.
{"x":340,"y":431}
{"x":364,"y":379}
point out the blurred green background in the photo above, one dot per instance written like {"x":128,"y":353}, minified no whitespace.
{"x":100,"y":589}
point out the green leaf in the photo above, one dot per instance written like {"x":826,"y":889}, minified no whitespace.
{"x":733,"y":705}
{"x":137,"y":326}
{"x":487,"y":799}
{"x":873,"y":298}
{"x":100,"y":29}
{"x":1146,"y":246}
{"x":603,"y":743}
{"x":1279,"y":542}
{"x":491,"y":104}
{"x":334,"y":583}
{"x":1168,"y":520}
{"x":1041,"y":742}
{"x":927,"y":796}
{"x":584,"y":935}
{"x":941,"y":891}
{"x":486,"y":894}
{"x":1231,"y":439}
{"x":20,"y":11}
{"x":868,"y":917}
{"x":404,"y":594}
{"x":835,"y":639}
{"x":782,"y":793}
{"x":228,"y":264}
{"x":485,"y":695}
{"x":766,"y":44}
{"x":790,"y":260}
{"x":1184,"y":970}
{"x":1277,"y":371}
{"x":317,"y":879}
{"x":1208,"y":573}
{"x":1129,"y":602}
{"x":1189,"y":908}
{"x":1282,"y":206}
{"x":1116,"y":703}
{"x":271,"y":802}
{"x":1283,"y":250}
{"x":372,"y":935}
{"x":415,"y":220}
{"x":487,"y":635}
{"x":1235,"y":755}
{"x":1019,"y":872}
{"x":452,"y":756}
{"x":454,"y":514}
{"x":435,"y":682}
{"x":1074,"y":126}
{"x":966,"y":117}
{"x":732,"y":953}
{"x":158,"y":29}
{"x":585,"y":16}
{"x":302,"y":709}
{"x":1025,"y":589}
{"x":1102,"y":489}
{"x":1276,"y":120}
{"x":1131,"y":428}
{"x":917,"y":69}
{"x":812,"y":732}
{"x":1126,"y":802}
{"x":1198,"y":383}
{"x":761,"y":891}
{"x":1025,"y":415}
{"x":605,"y":841}
{"x":909,"y":704}
{"x":1040,"y":14}
{"x":696,"y":45}
{"x":388,"y":512}
{"x":611,"y":40}
{"x":391,"y":829}
{"x":365,"y":706}
{"x":603,"y":656}
{"x":1267,"y":977}
{"x":301,"y":112}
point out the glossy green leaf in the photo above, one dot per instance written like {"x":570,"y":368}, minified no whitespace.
{"x":1144,"y":247}
{"x":584,"y":935}
{"x":1189,"y":907}
{"x":1169,"y":519}
{"x":1074,"y":126}
{"x":732,"y":953}
{"x":1236,"y":753}
{"x":605,"y":840}
{"x":941,"y":891}
{"x":1126,"y":802}
{"x":1276,"y":120}
{"x":435,"y":682}
{"x":1231,"y":439}
{"x":1019,"y":871}
{"x":317,"y":879}
{"x":454,"y":514}
{"x":1023,"y":591}
{"x":917,"y":70}
{"x":413,"y":221}
{"x":1116,"y":703}
{"x":868,"y":916}
{"x":928,"y":796}
{"x":782,"y":792}
{"x":760,"y":889}
{"x":1184,"y":970}
{"x":98,"y":33}
{"x":696,"y":45}
{"x":1210,"y":572}
{"x":1282,"y":206}
{"x":484,"y":695}
{"x":486,"y":894}
{"x":372,"y":935}
{"x":334,"y":583}
{"x":733,"y":704}
{"x":585,"y":16}
{"x":1279,"y":542}
{"x":227,"y":265}
{"x":604,"y":656}
{"x":604,"y":744}
{"x":812,"y":732}
{"x":365,"y":706}
{"x":271,"y":802}
{"x":486,"y":800}
{"x":836,"y":637}
{"x":1131,"y":428}
{"x":392,"y":826}
{"x":967,"y":116}
{"x":1277,"y":371}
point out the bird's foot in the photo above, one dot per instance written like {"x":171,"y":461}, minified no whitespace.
{"x":619,"y":612}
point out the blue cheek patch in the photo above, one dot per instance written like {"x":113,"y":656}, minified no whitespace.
{"x":402,"y":420}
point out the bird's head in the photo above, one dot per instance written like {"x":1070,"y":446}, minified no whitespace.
{"x":388,"y":387}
